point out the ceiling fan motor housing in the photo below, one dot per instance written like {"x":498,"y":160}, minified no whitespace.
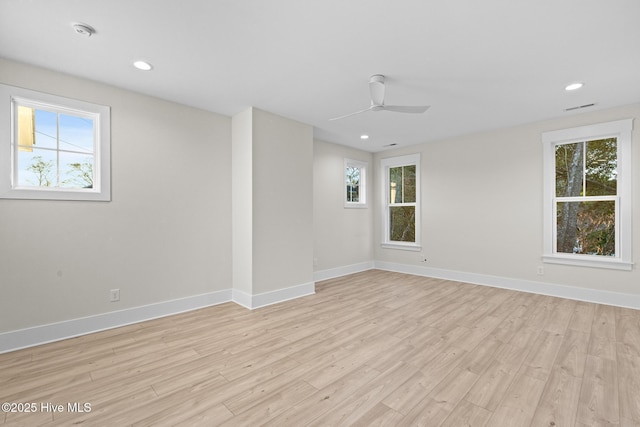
{"x":376,"y":88}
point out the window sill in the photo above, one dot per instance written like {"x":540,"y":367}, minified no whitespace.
{"x":588,"y":261}
{"x":402,"y":246}
{"x":355,"y":205}
{"x":55,"y":194}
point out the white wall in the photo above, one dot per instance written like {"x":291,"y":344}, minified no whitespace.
{"x":242,"y":200}
{"x":482,"y":206}
{"x":282,"y":203}
{"x":342,"y":236}
{"x":165,"y":235}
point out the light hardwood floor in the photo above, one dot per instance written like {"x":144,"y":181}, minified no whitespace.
{"x":374,"y":348}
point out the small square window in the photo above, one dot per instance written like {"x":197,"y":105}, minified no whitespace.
{"x":355,"y":184}
{"x":58,"y":148}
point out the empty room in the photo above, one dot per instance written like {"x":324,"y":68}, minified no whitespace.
{"x":292,"y":213}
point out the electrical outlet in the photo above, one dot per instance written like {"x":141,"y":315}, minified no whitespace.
{"x":423,"y":258}
{"x":114,"y":295}
{"x":315,"y":262}
{"x":540,"y":270}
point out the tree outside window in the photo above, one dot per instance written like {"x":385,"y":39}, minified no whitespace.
{"x":401,"y":213}
{"x":587,"y":195}
{"x":585,"y":173}
{"x":402,"y":210}
{"x":59,"y":147}
{"x":55,"y":150}
{"x":355,"y":184}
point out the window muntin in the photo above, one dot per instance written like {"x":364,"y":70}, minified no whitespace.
{"x":355,"y":184}
{"x":58,"y":148}
{"x":587,"y":195}
{"x":401,"y":213}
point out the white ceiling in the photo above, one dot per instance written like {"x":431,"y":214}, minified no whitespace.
{"x":481,"y":65}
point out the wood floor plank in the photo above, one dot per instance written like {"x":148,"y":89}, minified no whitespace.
{"x":519,"y":403}
{"x":315,"y":406}
{"x":355,"y":406}
{"x":209,"y":417}
{"x":541,"y":358}
{"x":409,"y":394}
{"x":491,"y":386}
{"x":582,"y":317}
{"x":427,"y":413}
{"x":603,"y":333}
{"x":598,"y":403}
{"x":372,"y":348}
{"x":628,"y":332}
{"x":559,"y":401}
{"x":467,"y":414}
{"x":629,"y":386}
{"x":273,"y":403}
{"x":379,"y":416}
{"x":573,"y":351}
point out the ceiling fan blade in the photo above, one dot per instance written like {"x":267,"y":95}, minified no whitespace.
{"x":376,"y":89}
{"x":352,"y":114}
{"x":417,"y":109}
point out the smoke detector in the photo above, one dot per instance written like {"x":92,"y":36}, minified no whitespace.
{"x":83,"y":29}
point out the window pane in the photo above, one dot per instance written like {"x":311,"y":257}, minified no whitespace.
{"x":601,"y":167}
{"x":46,"y":129}
{"x":409,"y":184}
{"x":76,"y":170}
{"x":569,"y":169}
{"x":395,"y":185}
{"x":76,"y":133}
{"x":353,"y":184}
{"x":586,"y":228}
{"x":402,"y":223}
{"x":37,"y":168}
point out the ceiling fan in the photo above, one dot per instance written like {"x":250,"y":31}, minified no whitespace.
{"x":376,"y":88}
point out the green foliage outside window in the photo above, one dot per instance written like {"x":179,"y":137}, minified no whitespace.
{"x":586,"y":169}
{"x":402,"y":190}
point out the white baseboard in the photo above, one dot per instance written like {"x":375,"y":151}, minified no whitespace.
{"x":268,"y":298}
{"x":42,"y":334}
{"x":29,"y":337}
{"x":342,"y":271}
{"x":241,"y":298}
{"x":555,"y":290}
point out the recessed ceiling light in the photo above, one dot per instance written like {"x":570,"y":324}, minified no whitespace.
{"x":364,"y":136}
{"x":573,"y":86}
{"x":142,"y":65}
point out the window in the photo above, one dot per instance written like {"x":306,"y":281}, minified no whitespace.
{"x":401,"y":215}
{"x":587,"y":195}
{"x":56,"y":148}
{"x":355,"y":177}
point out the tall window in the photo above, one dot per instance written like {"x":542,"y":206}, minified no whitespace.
{"x":587,"y":195}
{"x":355,"y":177}
{"x":401,"y":213}
{"x":59,"y":148}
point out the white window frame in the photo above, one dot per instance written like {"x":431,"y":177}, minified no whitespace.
{"x":621,"y":130}
{"x":10,"y":97}
{"x":362,"y":186}
{"x":385,"y":166}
